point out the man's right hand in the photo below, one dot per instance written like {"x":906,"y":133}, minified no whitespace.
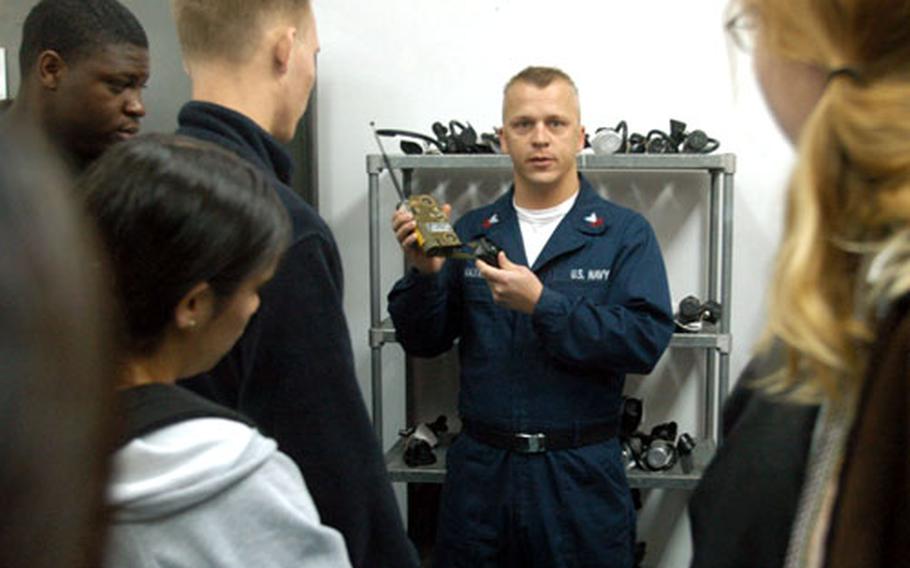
{"x":403,"y":225}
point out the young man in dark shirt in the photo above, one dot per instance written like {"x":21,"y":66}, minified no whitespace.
{"x":83,"y":66}
{"x":252,"y":66}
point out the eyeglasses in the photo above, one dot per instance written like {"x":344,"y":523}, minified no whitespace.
{"x":742,"y":28}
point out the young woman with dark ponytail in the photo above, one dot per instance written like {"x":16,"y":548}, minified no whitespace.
{"x":192,"y":233}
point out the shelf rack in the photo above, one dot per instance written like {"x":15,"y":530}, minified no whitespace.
{"x":717,"y":345}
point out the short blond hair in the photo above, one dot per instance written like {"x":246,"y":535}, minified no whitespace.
{"x":227,"y":29}
{"x":540,"y":77}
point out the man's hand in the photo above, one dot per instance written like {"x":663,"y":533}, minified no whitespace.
{"x":403,"y":225}
{"x":513,"y":286}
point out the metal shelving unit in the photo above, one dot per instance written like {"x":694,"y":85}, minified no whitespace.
{"x":717,"y":345}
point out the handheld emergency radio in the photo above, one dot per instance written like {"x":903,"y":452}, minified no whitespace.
{"x":435,"y":234}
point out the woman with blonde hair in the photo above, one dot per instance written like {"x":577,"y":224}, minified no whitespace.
{"x":818,"y":424}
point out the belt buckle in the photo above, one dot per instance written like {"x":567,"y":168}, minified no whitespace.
{"x":532,"y":443}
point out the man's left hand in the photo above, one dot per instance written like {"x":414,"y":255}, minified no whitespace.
{"x":513,"y":286}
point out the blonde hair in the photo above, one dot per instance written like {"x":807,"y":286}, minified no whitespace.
{"x":540,"y":77}
{"x":227,"y":29}
{"x":849,"y":196}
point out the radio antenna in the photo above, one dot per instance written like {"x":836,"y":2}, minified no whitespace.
{"x":388,"y":165}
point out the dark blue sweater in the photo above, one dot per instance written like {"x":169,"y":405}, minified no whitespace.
{"x":292,"y":371}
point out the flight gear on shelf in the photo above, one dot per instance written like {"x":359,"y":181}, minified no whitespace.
{"x":456,"y":138}
{"x":421,"y":440}
{"x":618,"y":140}
{"x":658,"y":451}
{"x":692,"y":314}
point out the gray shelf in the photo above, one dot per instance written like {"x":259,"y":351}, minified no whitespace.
{"x":719,"y":341}
{"x":720,"y":169}
{"x":673,"y":478}
{"x":725,"y":163}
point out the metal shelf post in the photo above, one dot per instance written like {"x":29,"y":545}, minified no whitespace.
{"x":375,"y":305}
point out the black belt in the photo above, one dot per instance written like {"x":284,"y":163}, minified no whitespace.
{"x":539,"y":442}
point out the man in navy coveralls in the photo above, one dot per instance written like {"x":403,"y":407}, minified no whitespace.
{"x":580,"y":298}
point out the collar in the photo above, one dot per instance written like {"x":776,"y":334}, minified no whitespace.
{"x":589,"y":215}
{"x":229,"y":128}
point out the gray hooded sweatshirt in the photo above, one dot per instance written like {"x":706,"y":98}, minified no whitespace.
{"x":212,"y":492}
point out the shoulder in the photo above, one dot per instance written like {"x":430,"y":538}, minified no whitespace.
{"x":211,"y":440}
{"x":629,"y":219}
{"x":188,"y":454}
{"x":591,"y":201}
{"x":205,"y":443}
{"x":474,"y":221}
{"x":896,"y":316}
{"x":631,"y":224}
{"x":888,"y":362}
{"x":312,"y":261}
{"x":305,"y":221}
{"x":598,"y":217}
{"x":752,"y":413}
{"x":147,"y":408}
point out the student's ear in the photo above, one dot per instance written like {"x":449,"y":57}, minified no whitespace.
{"x":195,"y":308}
{"x":581,"y":139}
{"x":284,"y":49}
{"x":51,"y":68}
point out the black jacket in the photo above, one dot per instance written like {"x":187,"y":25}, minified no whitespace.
{"x":292,"y":371}
{"x":870,"y":524}
{"x":743,"y":509}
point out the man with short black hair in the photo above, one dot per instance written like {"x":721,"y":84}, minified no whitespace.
{"x":83,"y":65}
{"x":252,"y":66}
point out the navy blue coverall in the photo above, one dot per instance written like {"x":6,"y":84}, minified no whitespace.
{"x":604,"y":312}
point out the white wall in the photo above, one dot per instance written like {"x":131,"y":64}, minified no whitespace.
{"x":408,"y":63}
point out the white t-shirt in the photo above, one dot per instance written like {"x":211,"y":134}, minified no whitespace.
{"x":537,"y":225}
